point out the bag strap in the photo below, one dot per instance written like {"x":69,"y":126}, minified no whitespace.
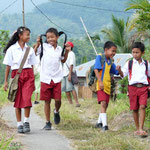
{"x":24,"y":60}
{"x":130,"y":64}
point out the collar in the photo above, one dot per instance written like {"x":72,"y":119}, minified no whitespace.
{"x":135,"y":61}
{"x":18,"y":46}
{"x":108,"y":61}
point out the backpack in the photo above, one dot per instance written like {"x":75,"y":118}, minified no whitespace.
{"x":130,"y":64}
{"x":91,"y":77}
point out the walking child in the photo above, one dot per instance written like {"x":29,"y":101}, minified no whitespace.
{"x":51,"y":74}
{"x":138,"y":71}
{"x":102,"y":72}
{"x":15,"y":51}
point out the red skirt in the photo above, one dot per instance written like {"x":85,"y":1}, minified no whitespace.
{"x":25,"y":88}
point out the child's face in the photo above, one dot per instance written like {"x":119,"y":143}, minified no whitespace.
{"x":51,"y":38}
{"x":137,"y":53}
{"x":110,"y":53}
{"x":25,"y":36}
{"x":68,"y":47}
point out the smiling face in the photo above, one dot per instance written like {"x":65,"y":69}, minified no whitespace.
{"x":25,"y":36}
{"x":51,"y":38}
{"x":137,"y":53}
{"x":110,"y":52}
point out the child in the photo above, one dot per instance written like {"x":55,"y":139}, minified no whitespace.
{"x":68,"y":68}
{"x":102,"y":73}
{"x":51,"y":74}
{"x":138,"y":86}
{"x":15,"y":51}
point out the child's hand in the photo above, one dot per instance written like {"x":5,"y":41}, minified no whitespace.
{"x":101,"y":85}
{"x":38,"y":40}
{"x":118,"y":68}
{"x":5,"y":86}
{"x":69,"y":78}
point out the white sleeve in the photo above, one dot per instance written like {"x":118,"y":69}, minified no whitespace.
{"x":8,"y":59}
{"x":71,"y":59}
{"x":125,"y":69}
{"x":33,"y":59}
{"x":148,"y":69}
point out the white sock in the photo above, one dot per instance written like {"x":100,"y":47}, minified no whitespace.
{"x":55,"y":111}
{"x":99,"y":118}
{"x":19,"y":123}
{"x":26,"y":119}
{"x":104,"y":119}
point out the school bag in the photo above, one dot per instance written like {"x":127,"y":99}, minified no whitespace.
{"x":13,"y":82}
{"x":44,"y":35}
{"x":91,"y":77}
{"x":130,"y":64}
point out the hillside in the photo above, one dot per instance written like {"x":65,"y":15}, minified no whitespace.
{"x":67,"y":16}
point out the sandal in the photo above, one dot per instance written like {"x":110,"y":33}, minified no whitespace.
{"x":143,"y":134}
{"x":137,"y":133}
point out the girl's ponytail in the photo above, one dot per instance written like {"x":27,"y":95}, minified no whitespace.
{"x":41,"y":42}
{"x":15,"y":37}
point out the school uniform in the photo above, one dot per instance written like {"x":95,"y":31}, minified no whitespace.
{"x":67,"y":86}
{"x":104,"y":70}
{"x":13,"y":58}
{"x":137,"y":95}
{"x":51,"y":72}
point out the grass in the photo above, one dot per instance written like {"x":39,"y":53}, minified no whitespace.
{"x":6,"y":134}
{"x":77,"y":124}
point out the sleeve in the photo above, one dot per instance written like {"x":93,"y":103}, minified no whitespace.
{"x":113,"y":69}
{"x":148,"y":69}
{"x":125,"y":69}
{"x":33,"y":60}
{"x":71,"y":59}
{"x":98,"y":64}
{"x":38,"y":50}
{"x":8,"y":59}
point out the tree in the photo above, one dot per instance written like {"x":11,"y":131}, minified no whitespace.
{"x":118,"y":33}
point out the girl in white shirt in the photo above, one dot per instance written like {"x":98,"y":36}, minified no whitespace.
{"x":51,"y":73}
{"x":15,"y":51}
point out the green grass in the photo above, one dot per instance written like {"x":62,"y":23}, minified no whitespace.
{"x":77,"y":124}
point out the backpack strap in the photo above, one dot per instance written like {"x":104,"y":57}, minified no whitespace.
{"x":130,"y":64}
{"x":146,"y":65}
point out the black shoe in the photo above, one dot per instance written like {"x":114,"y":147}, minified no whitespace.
{"x":99,"y":125}
{"x":56,"y":117}
{"x":105,"y":128}
{"x":26,"y":127}
{"x":36,"y":102}
{"x":20,"y":129}
{"x":47,"y":126}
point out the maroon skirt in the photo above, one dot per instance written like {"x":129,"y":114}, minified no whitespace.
{"x":25,"y":88}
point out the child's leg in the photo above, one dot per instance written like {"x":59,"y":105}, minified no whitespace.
{"x":75,"y":96}
{"x":57,"y":105}
{"x":18,"y":114}
{"x":68,"y":94}
{"x":142,"y":117}
{"x":27,"y":114}
{"x":136,"y":118}
{"x":36,"y":96}
{"x":47,"y":110}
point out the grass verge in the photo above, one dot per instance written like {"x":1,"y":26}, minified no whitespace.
{"x":77,"y":124}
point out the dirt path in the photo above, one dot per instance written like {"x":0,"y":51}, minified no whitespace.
{"x":38,"y":139}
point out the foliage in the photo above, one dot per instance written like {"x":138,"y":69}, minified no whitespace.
{"x":123,"y":85}
{"x":142,"y":7}
{"x":118,"y":34}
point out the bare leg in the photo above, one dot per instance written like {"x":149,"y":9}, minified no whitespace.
{"x":47,"y":110}
{"x":75,"y":96}
{"x":18,"y":114}
{"x":36,"y":96}
{"x":68,"y":94}
{"x":57,"y":105}
{"x":142,"y":117}
{"x":27,"y":112}
{"x":104,"y":106}
{"x":136,"y":118}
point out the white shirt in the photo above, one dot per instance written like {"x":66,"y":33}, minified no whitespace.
{"x":51,"y":67}
{"x":71,"y":60}
{"x":138,"y":72}
{"x":15,"y":54}
{"x":37,"y":66}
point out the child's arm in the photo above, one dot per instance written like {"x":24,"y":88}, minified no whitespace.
{"x":6,"y":77}
{"x":65,"y":56}
{"x":70,"y":71}
{"x":101,"y":85}
{"x":120,"y":71}
{"x":37,"y":44}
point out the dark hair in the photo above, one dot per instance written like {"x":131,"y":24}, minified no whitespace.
{"x":109,"y":44}
{"x":53,"y":30}
{"x":139,"y":45}
{"x":15,"y":37}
